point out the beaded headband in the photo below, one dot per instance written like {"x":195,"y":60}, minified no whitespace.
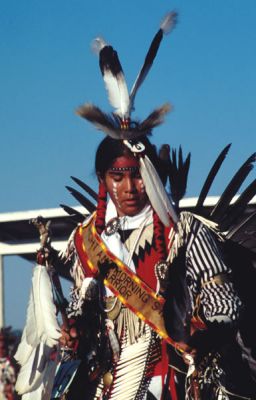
{"x":123,"y":169}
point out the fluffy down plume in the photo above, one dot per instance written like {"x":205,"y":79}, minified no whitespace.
{"x":169,"y":22}
{"x":110,"y":123}
{"x":155,"y":118}
{"x":40,"y":336}
{"x":98,"y":44}
{"x":104,"y":122}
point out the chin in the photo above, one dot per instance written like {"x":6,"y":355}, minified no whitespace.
{"x":132,"y":211}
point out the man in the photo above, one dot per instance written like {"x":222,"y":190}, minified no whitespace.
{"x":136,"y":360}
{"x":149,"y":284}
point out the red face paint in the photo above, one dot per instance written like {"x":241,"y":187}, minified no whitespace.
{"x":125,"y":186}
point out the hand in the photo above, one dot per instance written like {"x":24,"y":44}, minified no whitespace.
{"x":69,"y":337}
{"x":188,"y":353}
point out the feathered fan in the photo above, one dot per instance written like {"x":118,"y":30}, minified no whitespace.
{"x":40,"y":336}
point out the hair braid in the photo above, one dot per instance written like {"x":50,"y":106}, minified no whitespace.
{"x":101,"y":208}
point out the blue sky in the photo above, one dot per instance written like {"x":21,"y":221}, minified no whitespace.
{"x":205,"y":68}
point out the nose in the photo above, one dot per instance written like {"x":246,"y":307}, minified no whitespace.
{"x":130,"y":186}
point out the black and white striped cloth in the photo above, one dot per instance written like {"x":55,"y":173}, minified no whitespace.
{"x":219,"y":300}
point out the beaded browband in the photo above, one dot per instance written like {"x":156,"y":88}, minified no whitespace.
{"x":122,"y":169}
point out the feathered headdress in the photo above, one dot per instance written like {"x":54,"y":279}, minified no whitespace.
{"x":119,"y":125}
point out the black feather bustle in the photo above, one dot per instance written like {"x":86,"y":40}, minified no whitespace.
{"x":77,"y":217}
{"x":87,"y":188}
{"x":221,"y":207}
{"x":244,"y":233}
{"x":236,"y":210}
{"x":178,"y":175}
{"x":82,"y":199}
{"x":210,"y":178}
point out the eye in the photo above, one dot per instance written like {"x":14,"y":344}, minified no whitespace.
{"x":116,"y":177}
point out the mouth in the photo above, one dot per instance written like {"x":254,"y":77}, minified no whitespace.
{"x":131,"y":202}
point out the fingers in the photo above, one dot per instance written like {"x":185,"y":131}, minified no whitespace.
{"x":69,"y":337}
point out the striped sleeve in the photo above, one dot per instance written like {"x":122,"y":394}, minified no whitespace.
{"x":218,"y":298}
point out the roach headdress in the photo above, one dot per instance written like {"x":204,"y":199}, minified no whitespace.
{"x":119,"y":124}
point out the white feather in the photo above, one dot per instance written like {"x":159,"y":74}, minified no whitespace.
{"x":34,"y":323}
{"x":39,"y":337}
{"x":49,"y":379}
{"x":31,"y":373}
{"x":42,"y":323}
{"x":24,"y":350}
{"x":44,"y":390}
{"x":115,"y":84}
{"x":156,"y":192}
{"x":117,"y":93}
{"x":113,"y":90}
{"x":47,"y":309}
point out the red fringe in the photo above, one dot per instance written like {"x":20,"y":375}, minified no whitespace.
{"x":172,"y":386}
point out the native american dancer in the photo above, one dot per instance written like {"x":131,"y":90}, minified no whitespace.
{"x":154,"y":311}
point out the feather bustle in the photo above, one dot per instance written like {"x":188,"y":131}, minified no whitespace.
{"x":232,"y":188}
{"x":210,"y":178}
{"x":235,"y":210}
{"x":77,"y":217}
{"x":82,"y":199}
{"x":87,"y":188}
{"x":178,"y":174}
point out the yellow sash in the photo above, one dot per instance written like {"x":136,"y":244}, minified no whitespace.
{"x":132,"y":291}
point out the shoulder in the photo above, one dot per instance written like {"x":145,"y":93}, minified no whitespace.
{"x":190,"y":223}
{"x":189,"y":228}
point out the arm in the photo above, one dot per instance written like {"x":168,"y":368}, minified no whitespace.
{"x":211,"y":289}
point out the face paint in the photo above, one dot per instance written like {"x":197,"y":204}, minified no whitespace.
{"x":125,"y":186}
{"x":142,"y":186}
{"x":115,"y":193}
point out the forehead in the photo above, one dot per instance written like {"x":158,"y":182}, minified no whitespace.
{"x":125,"y":163}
